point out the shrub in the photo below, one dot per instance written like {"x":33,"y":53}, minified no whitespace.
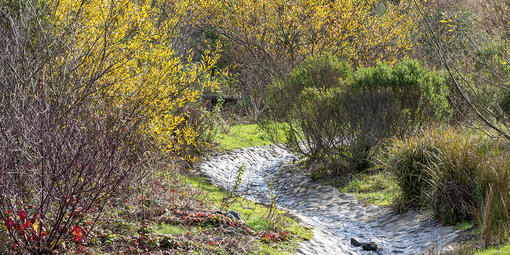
{"x":332,"y":116}
{"x":422,"y":94}
{"x":65,"y":149}
{"x":320,"y":72}
{"x":81,"y":116}
{"x":342,"y":126}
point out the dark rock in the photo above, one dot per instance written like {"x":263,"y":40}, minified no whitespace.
{"x":370,"y":246}
{"x":355,"y":243}
{"x":233,"y":215}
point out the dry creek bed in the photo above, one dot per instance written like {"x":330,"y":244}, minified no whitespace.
{"x":335,"y":217}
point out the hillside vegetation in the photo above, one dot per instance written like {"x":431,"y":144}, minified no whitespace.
{"x":107,"y":105}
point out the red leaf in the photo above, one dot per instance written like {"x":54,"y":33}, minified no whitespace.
{"x":22,"y":215}
{"x":78,"y":234}
{"x":9,"y":223}
{"x":25,"y":225}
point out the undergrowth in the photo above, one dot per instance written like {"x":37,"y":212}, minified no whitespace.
{"x":256,"y":216}
{"x":182,"y":214}
{"x":498,"y":250}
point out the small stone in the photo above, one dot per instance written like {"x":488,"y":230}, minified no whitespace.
{"x":371,"y":246}
{"x":233,"y":215}
{"x":355,"y":243}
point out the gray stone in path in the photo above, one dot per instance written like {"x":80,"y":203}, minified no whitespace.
{"x":335,"y":217}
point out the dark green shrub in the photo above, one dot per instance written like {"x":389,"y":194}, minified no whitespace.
{"x":327,"y":120}
{"x":321,"y":72}
{"x":332,"y":116}
{"x":421,"y":93}
{"x":342,"y":125}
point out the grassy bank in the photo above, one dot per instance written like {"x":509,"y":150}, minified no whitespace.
{"x":369,"y":187}
{"x":185,"y":214}
{"x":373,"y":188}
{"x":500,"y":250}
{"x":256,"y":216}
{"x":241,"y":136}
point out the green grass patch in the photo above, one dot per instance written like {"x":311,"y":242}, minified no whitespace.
{"x":167,"y":229}
{"x":463,"y":225}
{"x":373,"y":188}
{"x":249,"y":135}
{"x":256,"y":217}
{"x":241,"y":136}
{"x":378,"y":188}
{"x":501,"y":250}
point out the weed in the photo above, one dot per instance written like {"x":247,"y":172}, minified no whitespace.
{"x":231,"y":195}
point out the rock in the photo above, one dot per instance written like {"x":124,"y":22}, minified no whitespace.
{"x":355,"y":243}
{"x":235,"y":216}
{"x":370,"y":246}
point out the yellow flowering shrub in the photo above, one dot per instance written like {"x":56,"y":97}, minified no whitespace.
{"x":361,"y":31}
{"x":135,"y":39}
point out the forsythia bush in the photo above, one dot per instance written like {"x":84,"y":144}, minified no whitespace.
{"x":91,"y":93}
{"x":351,"y":29}
{"x":136,"y":38}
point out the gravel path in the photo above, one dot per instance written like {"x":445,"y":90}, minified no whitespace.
{"x":336,"y":217}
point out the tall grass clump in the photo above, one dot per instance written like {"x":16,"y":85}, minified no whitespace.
{"x":454,"y":173}
{"x":494,"y":213}
{"x":438,"y":169}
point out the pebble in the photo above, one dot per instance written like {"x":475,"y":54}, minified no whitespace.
{"x":334,"y":216}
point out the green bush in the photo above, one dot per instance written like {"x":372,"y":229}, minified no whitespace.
{"x":333,"y":115}
{"x":421,"y":93}
{"x":326,"y":119}
{"x":321,"y":72}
